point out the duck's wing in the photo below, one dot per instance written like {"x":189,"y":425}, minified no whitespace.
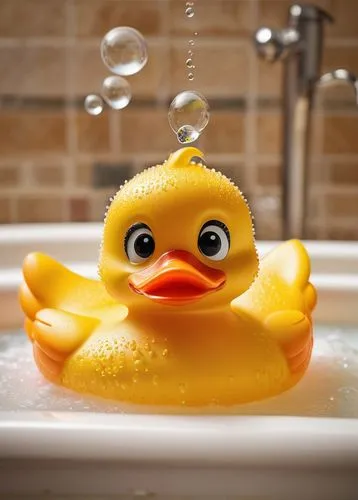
{"x":49,"y":284}
{"x":281,"y":301}
{"x":62,"y":310}
{"x":282,"y":284}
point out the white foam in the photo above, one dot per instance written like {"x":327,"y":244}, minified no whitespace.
{"x":330,"y":387}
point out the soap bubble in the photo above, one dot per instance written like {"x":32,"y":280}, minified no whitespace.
{"x":116,"y":91}
{"x":187,"y":134}
{"x":93,"y":104}
{"x":190,"y":110}
{"x":124,"y":51}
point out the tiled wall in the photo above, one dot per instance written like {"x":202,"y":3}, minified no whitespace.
{"x":59,"y":164}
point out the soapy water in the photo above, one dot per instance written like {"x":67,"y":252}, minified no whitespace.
{"x":329,"y":388}
{"x":116,"y":91}
{"x":94,"y":104}
{"x":188,"y":115}
{"x":124,"y":51}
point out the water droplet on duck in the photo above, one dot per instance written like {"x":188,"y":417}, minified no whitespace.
{"x":133,"y":345}
{"x":182,"y":388}
{"x":124,"y":51}
{"x":93,"y":104}
{"x":116,"y":91}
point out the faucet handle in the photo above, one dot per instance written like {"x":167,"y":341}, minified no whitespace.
{"x":275,"y":44}
{"x":340,"y":75}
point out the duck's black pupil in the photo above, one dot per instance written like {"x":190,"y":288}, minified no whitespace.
{"x":144,"y":245}
{"x":210,"y":243}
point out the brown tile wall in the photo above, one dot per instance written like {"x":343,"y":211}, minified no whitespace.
{"x":51,"y":151}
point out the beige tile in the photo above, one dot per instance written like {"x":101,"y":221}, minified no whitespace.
{"x":269,"y":175}
{"x":147,"y":130}
{"x":235,"y":172}
{"x":89,"y":72}
{"x":5,"y":211}
{"x":339,"y":233}
{"x":340,"y":134}
{"x":345,"y":13}
{"x":270,"y":78}
{"x":92,"y":132}
{"x":29,"y":18}
{"x":341,"y":205}
{"x":220,"y":70}
{"x":45,"y":175}
{"x":344,"y":173}
{"x":96,"y":17}
{"x":79,"y":209}
{"x":274,"y":13}
{"x":40,"y":209}
{"x":33,"y":71}
{"x":9,"y":176}
{"x":269,"y":136}
{"x":84,"y":174}
{"x":212,"y":18}
{"x":30,"y":131}
{"x":225,"y":133}
{"x":98,"y":204}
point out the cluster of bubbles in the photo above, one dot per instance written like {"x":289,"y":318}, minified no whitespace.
{"x":189,"y":111}
{"x":124,"y":52}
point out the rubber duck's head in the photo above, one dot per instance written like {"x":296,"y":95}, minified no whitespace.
{"x":178,"y":234}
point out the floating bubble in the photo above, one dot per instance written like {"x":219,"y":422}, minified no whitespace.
{"x":116,"y":91}
{"x":94,"y":104}
{"x":189,"y":11}
{"x":191,"y":42}
{"x":189,"y":63}
{"x":191,"y":76}
{"x":190,"y":53}
{"x":124,"y":51}
{"x":188,"y":115}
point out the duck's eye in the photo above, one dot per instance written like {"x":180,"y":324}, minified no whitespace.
{"x":139,"y":243}
{"x":214,"y":240}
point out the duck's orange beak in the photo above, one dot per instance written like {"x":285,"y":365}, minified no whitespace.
{"x":177,"y":278}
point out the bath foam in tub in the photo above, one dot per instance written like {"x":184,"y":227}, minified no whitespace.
{"x":183,"y":313}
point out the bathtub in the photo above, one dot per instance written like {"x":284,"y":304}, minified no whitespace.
{"x":77,"y":453}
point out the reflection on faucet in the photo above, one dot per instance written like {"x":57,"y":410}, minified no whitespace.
{"x":340,"y":75}
{"x":299,"y":46}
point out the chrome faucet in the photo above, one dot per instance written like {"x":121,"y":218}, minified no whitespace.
{"x":299,"y":46}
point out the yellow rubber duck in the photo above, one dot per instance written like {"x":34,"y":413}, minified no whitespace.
{"x":182,"y":314}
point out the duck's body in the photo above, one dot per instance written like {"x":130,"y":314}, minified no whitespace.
{"x":182,"y":337}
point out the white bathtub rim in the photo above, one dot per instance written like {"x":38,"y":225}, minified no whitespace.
{"x":291,"y":442}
